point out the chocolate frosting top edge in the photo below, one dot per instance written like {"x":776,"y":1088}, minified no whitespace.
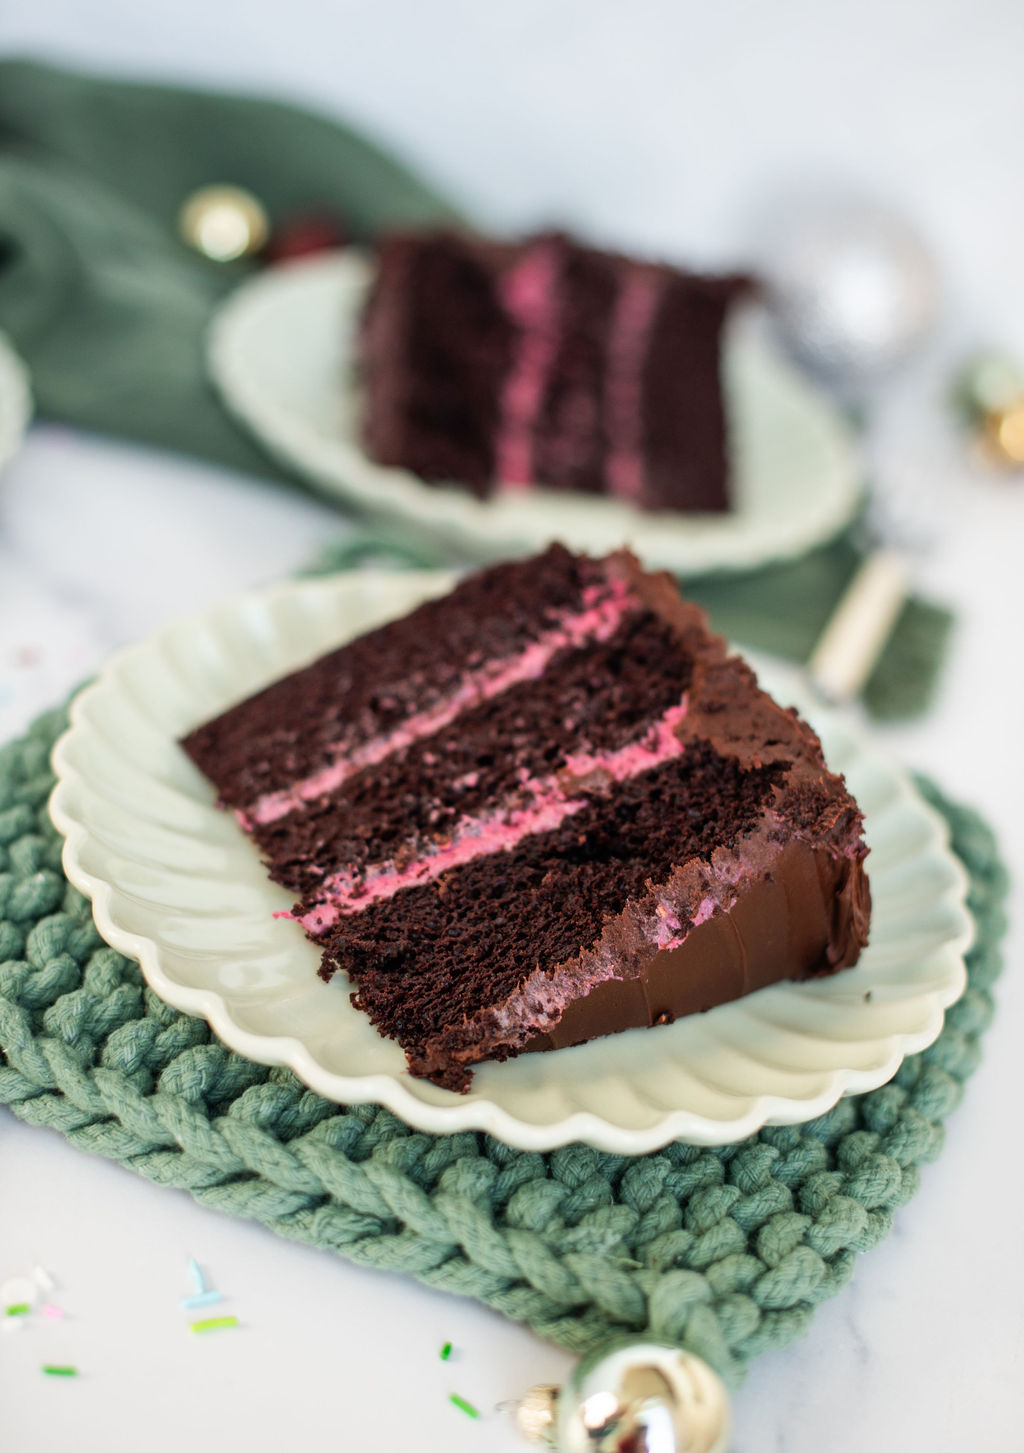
{"x":812,"y":807}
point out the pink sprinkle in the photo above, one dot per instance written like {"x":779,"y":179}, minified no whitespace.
{"x":283,"y":913}
{"x":55,"y":1314}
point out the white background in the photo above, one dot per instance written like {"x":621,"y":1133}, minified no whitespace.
{"x":682,"y":128}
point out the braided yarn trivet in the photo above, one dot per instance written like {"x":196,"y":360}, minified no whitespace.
{"x":726,"y":1251}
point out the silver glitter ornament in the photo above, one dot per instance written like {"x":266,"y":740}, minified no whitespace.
{"x":637,"y":1397}
{"x":853,"y":289}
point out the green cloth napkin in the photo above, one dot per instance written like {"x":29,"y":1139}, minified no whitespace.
{"x":110,"y":309}
{"x":105,"y":303}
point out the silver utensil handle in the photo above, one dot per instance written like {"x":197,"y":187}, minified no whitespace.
{"x":860,"y":625}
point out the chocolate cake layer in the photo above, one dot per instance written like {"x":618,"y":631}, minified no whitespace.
{"x":570,"y":435}
{"x":435,"y":312}
{"x":684,"y":425}
{"x":507,"y":366}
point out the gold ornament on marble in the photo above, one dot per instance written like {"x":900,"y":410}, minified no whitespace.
{"x":224,"y":223}
{"x":637,"y":1397}
{"x":1004,"y":434}
{"x":990,"y":395}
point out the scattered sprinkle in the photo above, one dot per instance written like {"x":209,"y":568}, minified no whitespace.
{"x":446,"y":1351}
{"x":14,"y":1324}
{"x":212,"y":1323}
{"x":18,"y":1290}
{"x":52,"y":1371}
{"x":462,"y":1405}
{"x":202,"y":1299}
{"x":20,"y":1309}
{"x":55,"y":1314}
{"x":196,"y":1273}
{"x":44,"y":1279}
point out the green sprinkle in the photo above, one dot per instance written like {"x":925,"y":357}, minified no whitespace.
{"x":446,"y":1351}
{"x":60,"y":1371}
{"x":20,"y":1309}
{"x":462,"y":1405}
{"x":212,"y":1323}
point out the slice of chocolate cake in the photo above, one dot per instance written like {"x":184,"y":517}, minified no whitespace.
{"x":503,"y":366}
{"x":546,"y":807}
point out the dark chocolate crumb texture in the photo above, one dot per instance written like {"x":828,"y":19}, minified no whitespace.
{"x":547,"y":807}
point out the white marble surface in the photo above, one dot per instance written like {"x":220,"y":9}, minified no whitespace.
{"x":98,"y":543}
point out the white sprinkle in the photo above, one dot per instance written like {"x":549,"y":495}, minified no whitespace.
{"x":14,"y":1324}
{"x":44,"y":1279}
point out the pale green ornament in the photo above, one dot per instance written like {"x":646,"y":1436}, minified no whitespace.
{"x":989,"y":383}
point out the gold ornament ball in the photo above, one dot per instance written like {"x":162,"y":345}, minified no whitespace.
{"x":224,"y":223}
{"x":632,"y":1397}
{"x":1004,"y":434}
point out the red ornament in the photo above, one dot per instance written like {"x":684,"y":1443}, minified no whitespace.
{"x":308,"y":233}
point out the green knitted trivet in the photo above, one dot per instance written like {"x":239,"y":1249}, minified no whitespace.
{"x":726,"y":1251}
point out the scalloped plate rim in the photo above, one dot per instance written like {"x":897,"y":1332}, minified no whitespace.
{"x":70,"y":815}
{"x":15,"y":400}
{"x":246,"y":327}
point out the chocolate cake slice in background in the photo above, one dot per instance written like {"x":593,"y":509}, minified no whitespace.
{"x":507,"y":366}
{"x":546,"y":807}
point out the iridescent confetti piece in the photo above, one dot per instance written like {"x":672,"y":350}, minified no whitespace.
{"x":202,"y":1299}
{"x":195,"y":1272}
{"x":463,"y":1406}
{"x":211,"y":1324}
{"x":55,"y":1314}
{"x":446,"y":1351}
{"x":52,"y":1371}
